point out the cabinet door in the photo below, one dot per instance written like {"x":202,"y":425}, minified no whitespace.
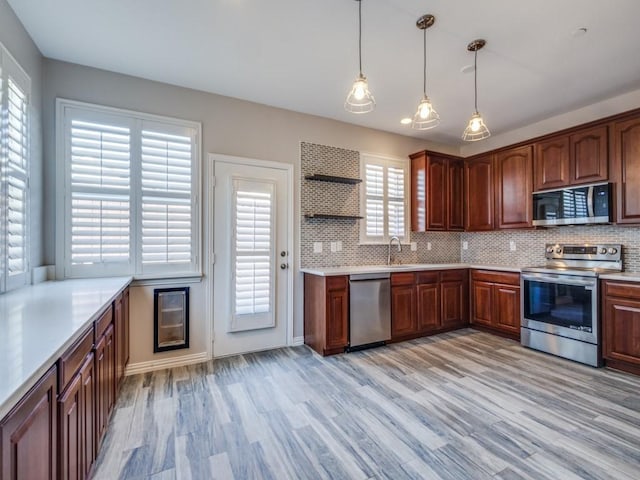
{"x":479,"y":194}
{"x":453,"y":298}
{"x":482,"y":303}
{"x":621,"y":325}
{"x":436,"y":193}
{"x":626,"y":161}
{"x":403,"y":310}
{"x":105,"y":382}
{"x":87,"y":413}
{"x":28,"y":434}
{"x":589,"y":155}
{"x":506,"y":311}
{"x":428,"y":307}
{"x":126,"y":332}
{"x":70,"y":444}
{"x":337,"y":312}
{"x":513,"y":188}
{"x":419,"y":192}
{"x":110,"y":356}
{"x":455,"y":196}
{"x":118,"y":322}
{"x":552,"y":164}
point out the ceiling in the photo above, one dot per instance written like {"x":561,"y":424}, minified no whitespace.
{"x":302,"y":54}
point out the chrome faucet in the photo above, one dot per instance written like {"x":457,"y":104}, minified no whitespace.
{"x":389,"y":253}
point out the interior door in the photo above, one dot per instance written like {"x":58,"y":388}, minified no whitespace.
{"x":251,"y":269}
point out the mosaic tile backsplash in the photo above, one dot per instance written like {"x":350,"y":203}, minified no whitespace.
{"x":489,"y":248}
{"x":326,"y":197}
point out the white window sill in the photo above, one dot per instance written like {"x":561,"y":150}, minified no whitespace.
{"x":166,"y":279}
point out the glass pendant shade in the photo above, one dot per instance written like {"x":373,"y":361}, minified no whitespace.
{"x":476,"y":129}
{"x":360,"y":99}
{"x":426,"y":116}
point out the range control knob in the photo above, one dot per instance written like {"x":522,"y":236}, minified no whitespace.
{"x":603,"y":250}
{"x":612,"y":251}
{"x":549,"y":249}
{"x":558,"y":250}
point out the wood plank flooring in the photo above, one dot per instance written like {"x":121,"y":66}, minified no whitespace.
{"x":462,"y":405}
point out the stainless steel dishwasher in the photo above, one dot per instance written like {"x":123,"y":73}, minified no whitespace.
{"x":369,"y":310}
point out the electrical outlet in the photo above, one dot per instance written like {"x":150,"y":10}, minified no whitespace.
{"x":414,"y":247}
{"x":512,"y":246}
{"x":317,"y":247}
{"x":465,"y":245}
{"x":334,"y":247}
{"x":428,"y":245}
{"x":339,"y":245}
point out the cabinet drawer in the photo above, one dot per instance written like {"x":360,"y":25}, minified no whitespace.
{"x":103,"y":322}
{"x":71,"y":361}
{"x":622,"y":289}
{"x":427,"y":277}
{"x":403,"y":278}
{"x":508,"y":278}
{"x":337,"y":283}
{"x":453,"y":275}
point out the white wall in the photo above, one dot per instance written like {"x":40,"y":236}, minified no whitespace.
{"x":16,"y":39}
{"x":231,"y":127}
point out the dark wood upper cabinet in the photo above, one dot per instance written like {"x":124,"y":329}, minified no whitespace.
{"x":513,"y":186}
{"x":478,"y":183}
{"x":589,"y":155}
{"x":437,"y":192}
{"x":625,"y":164}
{"x":572,"y":159}
{"x":552,"y":165}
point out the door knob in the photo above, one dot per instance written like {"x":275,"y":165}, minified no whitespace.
{"x":283,"y":253}
{"x":284,"y":266}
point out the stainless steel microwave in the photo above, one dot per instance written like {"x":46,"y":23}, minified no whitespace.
{"x":581,"y":205}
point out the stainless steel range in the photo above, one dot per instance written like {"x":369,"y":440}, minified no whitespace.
{"x":559,"y":303}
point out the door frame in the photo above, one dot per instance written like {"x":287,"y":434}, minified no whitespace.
{"x":209,"y":222}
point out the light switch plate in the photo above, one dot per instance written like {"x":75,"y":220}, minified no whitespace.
{"x":339,"y":245}
{"x":334,"y":247}
{"x":414,"y":247}
{"x":512,"y":246}
{"x":465,"y":245}
{"x":317,"y":247}
{"x":428,"y":245}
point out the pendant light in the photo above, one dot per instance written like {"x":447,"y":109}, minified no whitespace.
{"x":476,"y":129}
{"x":426,"y":116}
{"x":360,"y":99}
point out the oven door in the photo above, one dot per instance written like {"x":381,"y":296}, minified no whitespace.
{"x":564,"y":305}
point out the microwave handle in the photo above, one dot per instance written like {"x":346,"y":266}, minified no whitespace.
{"x":590,"y":211}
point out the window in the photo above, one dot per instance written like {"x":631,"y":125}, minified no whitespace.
{"x":15,"y":91}
{"x":383,"y":200}
{"x":130,"y":197}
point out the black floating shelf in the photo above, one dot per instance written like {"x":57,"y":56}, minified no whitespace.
{"x":331,"y":216}
{"x":331,"y":178}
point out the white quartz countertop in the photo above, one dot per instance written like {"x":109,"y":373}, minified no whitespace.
{"x":408,"y":267}
{"x":38,"y":323}
{"x":625,"y":276}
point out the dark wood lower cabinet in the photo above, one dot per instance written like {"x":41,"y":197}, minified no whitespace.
{"x":428,"y":300}
{"x":495,"y":302}
{"x":621,"y":325}
{"x":29,"y":434}
{"x":403,"y":311}
{"x":326,"y":313}
{"x":71,"y":435}
{"x":88,"y":414}
{"x":105,"y":381}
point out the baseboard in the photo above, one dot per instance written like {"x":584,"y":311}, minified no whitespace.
{"x":143,"y":367}
{"x":297,"y":341}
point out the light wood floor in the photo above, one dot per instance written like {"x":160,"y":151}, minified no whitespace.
{"x":464,"y":405}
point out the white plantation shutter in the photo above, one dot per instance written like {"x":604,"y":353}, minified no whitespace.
{"x":253,"y":255}
{"x":130,"y":193}
{"x":167,"y":211}
{"x":15,"y":88}
{"x":384,"y":201}
{"x":100,"y":189}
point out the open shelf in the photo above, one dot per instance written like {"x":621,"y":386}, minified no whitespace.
{"x":332,"y":216}
{"x":334,"y":179}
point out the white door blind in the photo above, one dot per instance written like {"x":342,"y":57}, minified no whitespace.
{"x":17,"y":175}
{"x":100,"y":157}
{"x":166,"y":176}
{"x":253,"y":252}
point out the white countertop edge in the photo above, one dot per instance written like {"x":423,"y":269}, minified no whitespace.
{"x":413,"y":267}
{"x":12,"y":400}
{"x":624,"y":276}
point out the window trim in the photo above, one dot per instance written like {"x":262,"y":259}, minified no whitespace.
{"x":376,"y":159}
{"x":11,"y":68}
{"x":63,"y":192}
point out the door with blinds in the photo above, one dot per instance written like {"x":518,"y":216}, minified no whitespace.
{"x":251,"y":270}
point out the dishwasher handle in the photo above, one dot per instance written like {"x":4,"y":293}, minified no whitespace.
{"x":361,"y":277}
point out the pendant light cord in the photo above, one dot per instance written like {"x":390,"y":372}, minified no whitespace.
{"x":360,"y":34}
{"x":475,"y":79}
{"x":424,"y":63}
